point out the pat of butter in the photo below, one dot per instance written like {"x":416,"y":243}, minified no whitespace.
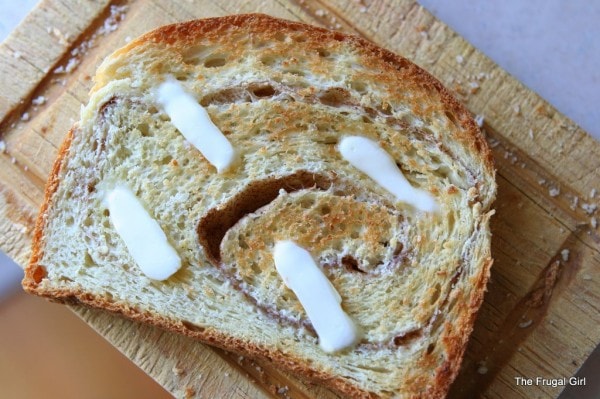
{"x":143,"y":237}
{"x":195,"y":125}
{"x":367,"y":156}
{"x":318,"y":297}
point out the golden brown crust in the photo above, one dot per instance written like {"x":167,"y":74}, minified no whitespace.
{"x":468,"y":134}
{"x":34,"y":272}
{"x":185,"y":32}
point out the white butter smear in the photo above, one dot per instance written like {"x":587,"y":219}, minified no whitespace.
{"x":194,"y":123}
{"x":143,"y":237}
{"x":367,"y":156}
{"x":318,"y":297}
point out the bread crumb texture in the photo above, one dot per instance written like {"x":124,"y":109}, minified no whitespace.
{"x":284,"y":94}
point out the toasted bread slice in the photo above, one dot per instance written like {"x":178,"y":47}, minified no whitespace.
{"x":284,"y":95}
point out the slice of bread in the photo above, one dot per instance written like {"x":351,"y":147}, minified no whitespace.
{"x":284,"y":94}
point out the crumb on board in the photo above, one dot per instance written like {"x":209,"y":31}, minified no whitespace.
{"x":474,"y":86}
{"x":525,"y":323}
{"x":554,"y":192}
{"x":479,"y":119}
{"x":459,"y":59}
{"x":189,"y":392}
{"x":565,"y":254}
{"x":39,"y":100}
{"x":117,"y":14}
{"x":25,"y":117}
{"x":574,"y":203}
{"x":2,"y":147}
{"x":589,"y":208}
{"x":594,"y":223}
{"x":283,"y":391}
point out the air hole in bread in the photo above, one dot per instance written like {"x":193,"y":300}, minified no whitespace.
{"x":452,"y":304}
{"x":443,"y":171}
{"x":452,"y":118}
{"x":385,"y":109}
{"x":430,"y":348}
{"x":69,"y":221}
{"x":335,"y":97}
{"x":329,"y":140}
{"x":307,"y":203}
{"x":192,"y":327}
{"x":269,"y":59}
{"x":38,"y":274}
{"x":435,"y":160}
{"x":451,"y":221}
{"x":358,"y":86}
{"x":87,"y":260}
{"x":144,"y":130}
{"x":398,"y":249}
{"x":325,"y":209}
{"x":351,"y":264}
{"x":323,"y":53}
{"x":407,"y":337}
{"x":104,"y":108}
{"x":195,"y":54}
{"x":242,"y":242}
{"x":263,"y":91}
{"x":437,"y":290}
{"x":323,"y":127}
{"x":165,"y":160}
{"x":226,"y":96}
{"x":255,"y":268}
{"x":214,"y":225}
{"x":295,"y":72}
{"x":215,"y":61}
{"x":280,"y":36}
{"x":299,"y":38}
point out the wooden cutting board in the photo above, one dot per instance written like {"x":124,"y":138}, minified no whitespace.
{"x":541,"y":314}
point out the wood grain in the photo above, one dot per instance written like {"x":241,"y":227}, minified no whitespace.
{"x":542,"y":309}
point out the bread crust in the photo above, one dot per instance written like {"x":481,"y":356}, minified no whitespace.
{"x":179,"y":34}
{"x":468,"y":134}
{"x":34,"y":272}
